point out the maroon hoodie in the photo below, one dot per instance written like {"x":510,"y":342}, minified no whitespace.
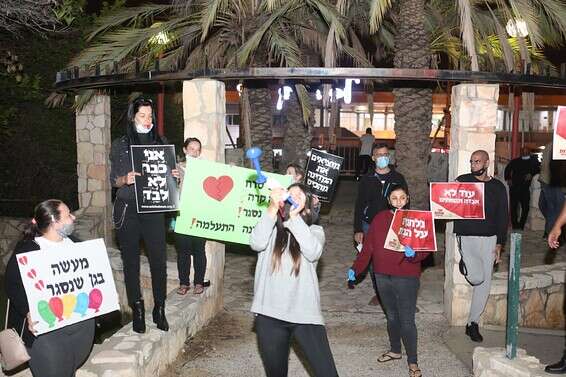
{"x":386,"y":261}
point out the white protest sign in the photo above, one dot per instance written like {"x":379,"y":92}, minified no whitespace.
{"x":68,"y":284}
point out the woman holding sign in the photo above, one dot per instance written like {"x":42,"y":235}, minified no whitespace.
{"x":59,"y":352}
{"x":287,"y":299}
{"x":397,"y":279}
{"x":132,"y":226}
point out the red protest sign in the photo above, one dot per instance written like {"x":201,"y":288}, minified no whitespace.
{"x":457,"y":200}
{"x":559,"y":139}
{"x":411,"y":228}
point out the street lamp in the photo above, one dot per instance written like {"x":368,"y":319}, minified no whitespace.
{"x":517,"y":28}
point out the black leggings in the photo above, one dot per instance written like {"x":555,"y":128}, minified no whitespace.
{"x":150,"y":227}
{"x":274,"y":341}
{"x":187,"y":246}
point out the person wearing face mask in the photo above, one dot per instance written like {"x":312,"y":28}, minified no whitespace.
{"x":132,"y":226}
{"x":373,"y":190}
{"x":519,"y":174}
{"x":60,"y":352}
{"x":298,"y":174}
{"x":190,"y":245}
{"x":481,"y":241}
{"x":398,"y":280}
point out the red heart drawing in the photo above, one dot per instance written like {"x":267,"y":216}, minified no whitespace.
{"x":32,"y":274}
{"x":23,"y":260}
{"x":39,"y":285}
{"x":218,"y":188}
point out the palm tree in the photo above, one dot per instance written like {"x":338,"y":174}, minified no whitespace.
{"x":455,"y":26}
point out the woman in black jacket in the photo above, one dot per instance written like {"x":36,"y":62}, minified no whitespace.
{"x":61,"y":352}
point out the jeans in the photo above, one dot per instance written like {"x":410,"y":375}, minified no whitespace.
{"x":398,"y":296}
{"x":187,"y":246}
{"x":274,"y":341}
{"x":550,"y":203}
{"x":365,"y":228}
{"x":364,"y":164}
{"x":151,"y":228}
{"x":519,"y":196}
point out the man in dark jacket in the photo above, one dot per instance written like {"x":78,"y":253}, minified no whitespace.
{"x":519,"y":174}
{"x":373,"y":189}
{"x":481,"y":241}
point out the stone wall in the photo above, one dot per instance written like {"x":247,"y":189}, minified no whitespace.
{"x":10,"y":231}
{"x":491,"y":362}
{"x":541,"y":298}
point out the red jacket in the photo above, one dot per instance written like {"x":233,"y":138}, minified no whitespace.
{"x":386,"y":261}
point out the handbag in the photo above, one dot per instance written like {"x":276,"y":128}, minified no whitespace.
{"x":13,"y":352}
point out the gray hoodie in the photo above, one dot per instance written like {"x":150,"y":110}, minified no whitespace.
{"x":280,"y":294}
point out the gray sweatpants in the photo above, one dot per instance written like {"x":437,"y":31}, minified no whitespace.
{"x":478,"y":254}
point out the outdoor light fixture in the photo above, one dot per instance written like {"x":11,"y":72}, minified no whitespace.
{"x":239,"y":89}
{"x":345,"y":93}
{"x":284,"y":94}
{"x":517,"y":28}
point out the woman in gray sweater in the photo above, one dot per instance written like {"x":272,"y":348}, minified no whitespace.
{"x":286,"y":295}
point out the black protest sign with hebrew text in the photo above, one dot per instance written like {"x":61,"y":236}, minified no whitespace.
{"x":156,"y":188}
{"x":322,"y":174}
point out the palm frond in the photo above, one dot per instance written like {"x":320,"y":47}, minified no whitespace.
{"x":304,"y":101}
{"x":209,"y":14}
{"x":467,"y":31}
{"x":377,"y":11}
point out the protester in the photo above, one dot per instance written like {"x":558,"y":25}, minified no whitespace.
{"x":554,"y":238}
{"x":481,"y":241}
{"x":519,"y":174}
{"x":190,"y":245}
{"x":59,"y":352}
{"x":298,"y":175}
{"x":132,"y":226}
{"x":551,"y":198}
{"x":373,"y":191}
{"x":397,"y":278}
{"x":364,"y":162}
{"x":286,"y":295}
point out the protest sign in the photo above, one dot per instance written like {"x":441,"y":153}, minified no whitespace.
{"x":68,"y":284}
{"x":559,"y":139}
{"x":457,"y":200}
{"x":222,"y":202}
{"x":156,"y":188}
{"x":322,"y":174}
{"x":411,"y":228}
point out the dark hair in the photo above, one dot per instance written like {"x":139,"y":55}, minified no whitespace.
{"x":131,"y":132}
{"x":44,"y":214}
{"x":368,"y":130}
{"x":379,"y":146}
{"x":283,"y":233}
{"x":397,"y":187}
{"x":191,"y":140}
{"x":298,"y":169}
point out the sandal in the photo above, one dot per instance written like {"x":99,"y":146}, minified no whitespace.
{"x":415,"y":372}
{"x":388,"y":356}
{"x":199,"y":288}
{"x":183,"y":289}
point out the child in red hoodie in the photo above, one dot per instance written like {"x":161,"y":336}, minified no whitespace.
{"x":397,"y":277}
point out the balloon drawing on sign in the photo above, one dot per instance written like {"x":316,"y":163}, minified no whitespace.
{"x":95,"y":299}
{"x":82,"y":304}
{"x":45,"y":313}
{"x":56,"y":306}
{"x":69,"y":303}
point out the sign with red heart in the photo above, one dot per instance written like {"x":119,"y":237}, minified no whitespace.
{"x":218,"y":188}
{"x":559,"y":139}
{"x":411,"y":228}
{"x":457,"y":200}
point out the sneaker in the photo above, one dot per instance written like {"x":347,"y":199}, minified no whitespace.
{"x":473,"y":331}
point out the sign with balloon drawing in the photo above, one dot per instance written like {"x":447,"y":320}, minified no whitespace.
{"x":68,"y":284}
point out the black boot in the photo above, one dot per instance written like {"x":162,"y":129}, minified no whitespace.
{"x":138,"y":314}
{"x":159,"y":317}
{"x":557,"y":368}
{"x":473,"y":331}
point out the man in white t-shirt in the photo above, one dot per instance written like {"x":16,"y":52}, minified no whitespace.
{"x":364,"y":158}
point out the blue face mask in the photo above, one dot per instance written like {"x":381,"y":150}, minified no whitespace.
{"x":382,"y":162}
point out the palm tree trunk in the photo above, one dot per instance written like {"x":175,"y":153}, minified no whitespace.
{"x":297,"y":140}
{"x":413,"y":106}
{"x":261,"y":120}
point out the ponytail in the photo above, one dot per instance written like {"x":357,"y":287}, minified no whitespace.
{"x":44,"y":214}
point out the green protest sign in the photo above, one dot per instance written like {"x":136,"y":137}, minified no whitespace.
{"x":222,"y":202}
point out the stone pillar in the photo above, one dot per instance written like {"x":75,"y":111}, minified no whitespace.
{"x":93,"y":168}
{"x":474,"y":112}
{"x":204,"y":113}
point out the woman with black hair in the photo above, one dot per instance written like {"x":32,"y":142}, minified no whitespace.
{"x":59,"y":352}
{"x":397,"y":278}
{"x":132,"y":226}
{"x":286,"y":294}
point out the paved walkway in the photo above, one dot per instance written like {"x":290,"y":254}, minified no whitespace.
{"x":357,"y":331}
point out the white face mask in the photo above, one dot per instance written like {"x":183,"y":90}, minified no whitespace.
{"x":140,"y":129}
